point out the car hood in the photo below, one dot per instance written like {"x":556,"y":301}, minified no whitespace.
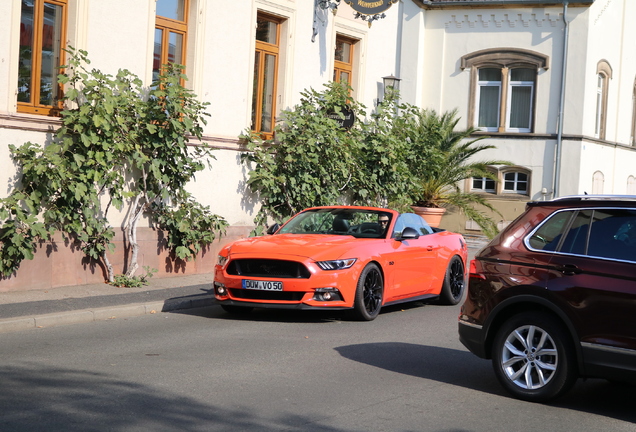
{"x":314,"y":246}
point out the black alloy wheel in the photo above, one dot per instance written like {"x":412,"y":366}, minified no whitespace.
{"x":454,"y":283}
{"x":369,"y":293}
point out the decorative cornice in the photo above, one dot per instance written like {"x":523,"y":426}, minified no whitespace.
{"x":500,"y":19}
{"x":496,"y":4}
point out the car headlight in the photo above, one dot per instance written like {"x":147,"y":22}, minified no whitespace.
{"x":221,"y":260}
{"x":336,"y":264}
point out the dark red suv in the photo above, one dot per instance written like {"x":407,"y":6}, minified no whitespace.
{"x":553,"y":296}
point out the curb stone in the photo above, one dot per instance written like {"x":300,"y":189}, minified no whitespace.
{"x":102,"y":314}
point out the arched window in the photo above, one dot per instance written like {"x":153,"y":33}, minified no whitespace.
{"x":516,"y":182}
{"x":598,"y":182}
{"x":503,"y":83}
{"x":603,"y":75}
{"x":510,"y":180}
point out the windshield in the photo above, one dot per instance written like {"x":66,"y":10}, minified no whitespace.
{"x":353,"y":222}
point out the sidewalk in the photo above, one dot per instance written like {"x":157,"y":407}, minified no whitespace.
{"x":21,"y":310}
{"x":86,"y":303}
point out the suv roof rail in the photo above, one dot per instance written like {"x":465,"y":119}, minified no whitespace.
{"x":596,"y":197}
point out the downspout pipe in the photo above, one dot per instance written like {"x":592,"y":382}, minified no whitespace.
{"x":559,"y":143}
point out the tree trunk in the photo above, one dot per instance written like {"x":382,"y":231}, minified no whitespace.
{"x":110,"y":274}
{"x":131,"y":233}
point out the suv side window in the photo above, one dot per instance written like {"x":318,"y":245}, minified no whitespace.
{"x":613,"y":234}
{"x":549,"y":234}
{"x":576,"y":240}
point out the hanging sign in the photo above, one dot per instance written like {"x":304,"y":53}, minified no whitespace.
{"x":370,"y":7}
{"x":345,"y":119}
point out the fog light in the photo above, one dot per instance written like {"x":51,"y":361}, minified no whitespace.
{"x":327,"y":294}
{"x":220,"y":289}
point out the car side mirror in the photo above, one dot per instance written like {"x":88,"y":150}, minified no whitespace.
{"x":272,"y":229}
{"x":408,"y":234}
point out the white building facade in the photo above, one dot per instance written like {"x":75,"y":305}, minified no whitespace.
{"x":515,"y":69}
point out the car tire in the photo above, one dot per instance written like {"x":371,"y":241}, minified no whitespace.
{"x":369,"y":293}
{"x":518,"y":364}
{"x":236,"y":310}
{"x":454,"y":283}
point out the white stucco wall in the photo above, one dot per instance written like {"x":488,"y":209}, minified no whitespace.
{"x":452,"y":34}
{"x":606,"y":30}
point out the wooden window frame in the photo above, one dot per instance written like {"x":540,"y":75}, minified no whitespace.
{"x":340,"y":66}
{"x":264,"y":49}
{"x":34,"y":107}
{"x":169,"y":25}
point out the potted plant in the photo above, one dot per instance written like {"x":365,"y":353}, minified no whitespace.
{"x":440,"y":159}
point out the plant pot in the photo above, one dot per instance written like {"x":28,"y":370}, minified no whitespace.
{"x":432,"y":215}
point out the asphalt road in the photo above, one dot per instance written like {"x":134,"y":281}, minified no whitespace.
{"x":203,"y":370}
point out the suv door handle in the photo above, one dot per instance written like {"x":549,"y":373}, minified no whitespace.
{"x":570,"y":270}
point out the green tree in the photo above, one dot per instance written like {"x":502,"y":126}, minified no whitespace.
{"x":120,"y":144}
{"x":441,"y":157}
{"x":311,"y":162}
{"x":400,"y":155}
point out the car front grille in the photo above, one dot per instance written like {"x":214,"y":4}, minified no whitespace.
{"x":268,"y":268}
{"x":248,"y":294}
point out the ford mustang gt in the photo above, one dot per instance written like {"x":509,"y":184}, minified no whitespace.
{"x":342,"y":257}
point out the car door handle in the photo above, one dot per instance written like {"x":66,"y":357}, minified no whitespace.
{"x":431,"y":248}
{"x":570,"y":270}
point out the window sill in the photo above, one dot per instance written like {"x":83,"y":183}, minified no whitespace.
{"x":29,"y":122}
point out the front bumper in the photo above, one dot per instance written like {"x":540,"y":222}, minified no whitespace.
{"x":298,"y":293}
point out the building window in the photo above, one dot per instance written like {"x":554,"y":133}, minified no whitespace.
{"x":603,"y":75}
{"x":515,"y":182}
{"x":265,"y":73}
{"x":343,"y":59}
{"x":42,"y":36}
{"x":509,"y":180}
{"x":598,"y":181}
{"x":484,"y":184}
{"x":489,"y":99}
{"x":171,"y":29}
{"x":503,"y":83}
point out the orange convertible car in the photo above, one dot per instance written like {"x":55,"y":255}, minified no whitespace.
{"x":342,"y":257}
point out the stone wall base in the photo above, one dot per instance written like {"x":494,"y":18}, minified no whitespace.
{"x":58,"y":263}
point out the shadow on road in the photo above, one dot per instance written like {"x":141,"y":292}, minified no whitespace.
{"x":60,"y":399}
{"x":463,"y":369}
{"x":292,"y":315}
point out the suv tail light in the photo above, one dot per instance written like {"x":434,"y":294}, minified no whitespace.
{"x":475,"y":270}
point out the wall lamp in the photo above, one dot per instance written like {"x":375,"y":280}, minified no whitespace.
{"x":391,"y":84}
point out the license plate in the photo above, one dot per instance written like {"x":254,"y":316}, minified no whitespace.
{"x":262,"y":285}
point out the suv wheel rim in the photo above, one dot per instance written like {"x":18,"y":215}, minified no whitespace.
{"x":529,"y":358}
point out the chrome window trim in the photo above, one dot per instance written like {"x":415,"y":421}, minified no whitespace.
{"x":526,"y":239}
{"x":607,"y":348}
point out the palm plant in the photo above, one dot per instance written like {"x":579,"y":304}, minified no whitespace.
{"x":441,"y":158}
